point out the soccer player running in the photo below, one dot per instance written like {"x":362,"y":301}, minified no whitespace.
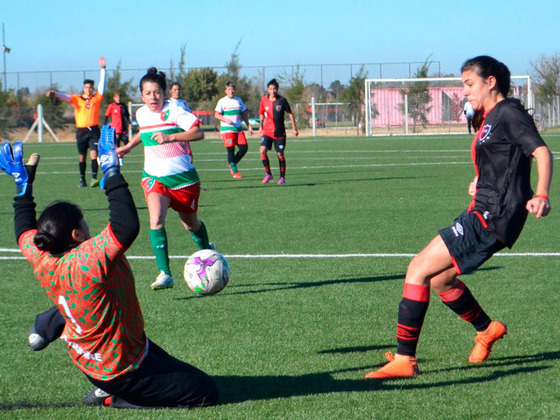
{"x":86,"y":113}
{"x":169,"y":178}
{"x":272,"y":130}
{"x":98,"y":306}
{"x":231,"y":111}
{"x":505,"y":142}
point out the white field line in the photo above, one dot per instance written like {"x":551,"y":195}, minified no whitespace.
{"x":270,"y":256}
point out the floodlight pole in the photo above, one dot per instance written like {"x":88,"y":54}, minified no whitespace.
{"x":5,"y":50}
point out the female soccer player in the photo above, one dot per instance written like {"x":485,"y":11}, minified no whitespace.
{"x":231,"y":111}
{"x":103,"y":322}
{"x":175,"y":96}
{"x":169,"y":178}
{"x":272,"y":130}
{"x":503,"y":147}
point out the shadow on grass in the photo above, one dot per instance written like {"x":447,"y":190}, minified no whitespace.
{"x":236,"y":389}
{"x":25,"y":405}
{"x":275,"y":287}
{"x":300,"y":184}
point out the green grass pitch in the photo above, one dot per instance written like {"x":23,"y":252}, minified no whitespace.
{"x":317,"y":273}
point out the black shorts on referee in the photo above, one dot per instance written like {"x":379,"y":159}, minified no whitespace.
{"x":469,"y":242}
{"x":87,"y":137}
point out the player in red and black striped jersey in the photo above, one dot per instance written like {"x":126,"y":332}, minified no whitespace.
{"x":92,"y":285}
{"x":503,"y":149}
{"x":120,"y":119}
{"x":272,"y":129}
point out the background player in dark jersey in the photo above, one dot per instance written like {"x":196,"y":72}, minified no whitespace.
{"x":120,"y":119}
{"x":503,"y":147}
{"x":103,"y":322}
{"x":272,"y":130}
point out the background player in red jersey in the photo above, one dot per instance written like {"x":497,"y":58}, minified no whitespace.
{"x":272,"y":130}
{"x":120,"y":119}
{"x":502,"y":150}
{"x":103,"y":322}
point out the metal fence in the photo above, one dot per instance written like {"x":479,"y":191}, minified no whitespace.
{"x":547,"y":112}
{"x":321,"y":74}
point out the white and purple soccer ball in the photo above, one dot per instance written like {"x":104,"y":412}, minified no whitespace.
{"x":206,"y":272}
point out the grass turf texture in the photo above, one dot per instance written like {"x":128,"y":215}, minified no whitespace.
{"x":293,"y":337}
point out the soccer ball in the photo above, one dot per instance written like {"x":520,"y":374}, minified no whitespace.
{"x":206,"y":272}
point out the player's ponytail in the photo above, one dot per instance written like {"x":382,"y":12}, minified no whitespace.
{"x":55,"y":226}
{"x":154,"y":76}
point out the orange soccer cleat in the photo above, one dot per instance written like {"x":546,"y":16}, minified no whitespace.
{"x":484,"y":341}
{"x":399,"y":366}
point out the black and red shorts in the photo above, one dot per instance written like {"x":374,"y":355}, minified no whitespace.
{"x":469,"y":242}
{"x":279,"y":144}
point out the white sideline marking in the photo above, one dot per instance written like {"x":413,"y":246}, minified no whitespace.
{"x":260,"y":256}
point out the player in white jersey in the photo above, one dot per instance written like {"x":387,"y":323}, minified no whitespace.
{"x":231,"y":111}
{"x":175,"y":97}
{"x":169,"y":177}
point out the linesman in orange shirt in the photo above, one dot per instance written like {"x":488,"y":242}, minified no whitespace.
{"x":86,"y":113}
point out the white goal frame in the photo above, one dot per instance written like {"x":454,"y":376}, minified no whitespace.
{"x":523,"y":82}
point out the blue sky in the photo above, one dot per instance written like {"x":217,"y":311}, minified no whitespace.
{"x":69,"y":35}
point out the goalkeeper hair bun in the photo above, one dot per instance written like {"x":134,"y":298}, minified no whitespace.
{"x":44,"y":241}
{"x":55,"y":226}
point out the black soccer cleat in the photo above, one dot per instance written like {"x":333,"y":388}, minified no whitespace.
{"x":35,"y":341}
{"x":95,"y":397}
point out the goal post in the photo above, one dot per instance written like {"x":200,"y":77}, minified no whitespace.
{"x":432,"y":105}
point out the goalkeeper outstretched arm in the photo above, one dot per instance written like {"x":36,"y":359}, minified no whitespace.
{"x":123,"y":216}
{"x":11,"y":162}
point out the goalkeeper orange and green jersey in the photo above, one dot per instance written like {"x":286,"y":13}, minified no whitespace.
{"x":168,"y":163}
{"x":231,"y":108}
{"x":109,"y":341}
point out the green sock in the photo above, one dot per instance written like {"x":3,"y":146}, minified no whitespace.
{"x":158,"y":239}
{"x":201,"y":237}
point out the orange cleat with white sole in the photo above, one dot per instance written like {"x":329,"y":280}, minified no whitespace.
{"x":484,"y":341}
{"x":399,"y":366}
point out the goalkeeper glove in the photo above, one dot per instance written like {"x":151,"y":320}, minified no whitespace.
{"x":108,"y":159}
{"x":11,"y":162}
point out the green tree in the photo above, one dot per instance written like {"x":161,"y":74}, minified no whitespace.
{"x":353,"y":94}
{"x":418,"y":98}
{"x":335,"y":88}
{"x":547,"y":75}
{"x":200,"y":87}
{"x":243,"y":86}
{"x":292,"y":85}
{"x":54,"y":109}
{"x":9,"y":109}
{"x":116,"y":84}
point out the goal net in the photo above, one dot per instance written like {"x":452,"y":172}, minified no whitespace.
{"x":424,"y":105}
